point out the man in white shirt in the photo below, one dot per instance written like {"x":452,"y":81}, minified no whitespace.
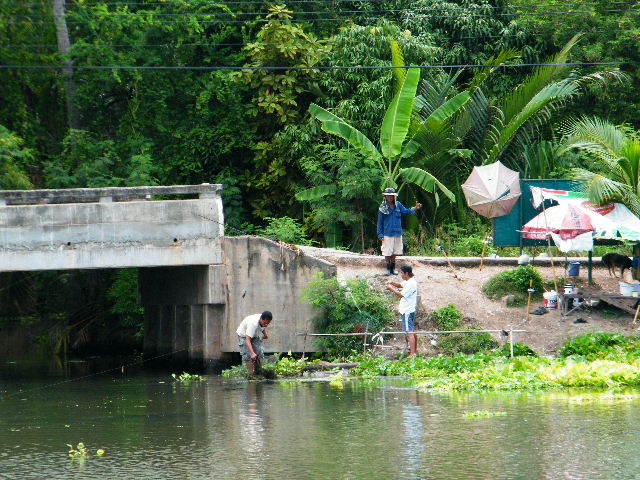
{"x":407,"y":308}
{"x":251,"y":332}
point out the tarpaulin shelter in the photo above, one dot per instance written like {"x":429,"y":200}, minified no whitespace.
{"x":492,"y":190}
{"x":566,"y":220}
{"x":574,"y":216}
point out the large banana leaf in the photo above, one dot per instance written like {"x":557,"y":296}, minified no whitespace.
{"x":322,"y":114}
{"x":395,"y":124}
{"x":352,"y":135}
{"x":316,"y":193}
{"x":336,"y":126}
{"x":425,"y":180}
{"x":397,"y":60}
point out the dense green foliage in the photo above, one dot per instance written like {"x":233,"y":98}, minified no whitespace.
{"x":447,"y":318}
{"x":346,"y":307}
{"x":514,"y":282}
{"x":452,"y":343}
{"x":167,"y":103}
{"x":597,"y":361}
{"x":600,"y":344}
{"x":600,"y":360}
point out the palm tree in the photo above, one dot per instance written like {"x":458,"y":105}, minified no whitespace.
{"x":503,"y":128}
{"x":614,"y":174}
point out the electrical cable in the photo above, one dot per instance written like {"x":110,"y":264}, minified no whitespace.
{"x":330,"y":42}
{"x":291,"y":12}
{"x":342,"y":67}
{"x":223,"y":3}
{"x":122,"y":21}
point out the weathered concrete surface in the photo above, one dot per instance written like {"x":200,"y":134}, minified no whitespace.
{"x":108,"y":234}
{"x":197,"y":309}
{"x":264,"y":275}
{"x":195,"y":284}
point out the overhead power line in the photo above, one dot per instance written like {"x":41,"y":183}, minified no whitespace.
{"x":513,"y":11}
{"x":319,"y":67}
{"x":253,"y":2}
{"x":79,"y":46}
{"x":363,"y":16}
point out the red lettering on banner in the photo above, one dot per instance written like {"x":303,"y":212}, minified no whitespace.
{"x":604,"y":209}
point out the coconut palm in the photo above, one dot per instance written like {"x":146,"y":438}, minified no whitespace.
{"x":503,"y":128}
{"x":614,"y":152}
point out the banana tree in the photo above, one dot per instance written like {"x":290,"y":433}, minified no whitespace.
{"x":398,"y":138}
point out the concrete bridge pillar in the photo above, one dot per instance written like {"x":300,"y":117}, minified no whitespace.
{"x":192,"y":312}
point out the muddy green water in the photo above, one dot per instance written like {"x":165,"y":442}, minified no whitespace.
{"x":223,"y":429}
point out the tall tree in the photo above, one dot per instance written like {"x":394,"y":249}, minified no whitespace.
{"x":64,"y":47}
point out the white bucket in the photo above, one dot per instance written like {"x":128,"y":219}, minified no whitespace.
{"x":626,"y":289}
{"x":550,"y":299}
{"x":568,"y":289}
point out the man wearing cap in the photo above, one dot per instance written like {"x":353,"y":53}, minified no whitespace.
{"x":390,"y":226}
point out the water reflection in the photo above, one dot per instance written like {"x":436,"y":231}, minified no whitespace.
{"x":153,"y":428}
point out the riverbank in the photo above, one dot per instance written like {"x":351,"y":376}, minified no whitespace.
{"x":460,"y":284}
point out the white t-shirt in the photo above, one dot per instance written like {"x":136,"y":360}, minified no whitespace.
{"x":250,"y":327}
{"x":409,"y":296}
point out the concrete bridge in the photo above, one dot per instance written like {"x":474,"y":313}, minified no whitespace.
{"x":196,"y":284}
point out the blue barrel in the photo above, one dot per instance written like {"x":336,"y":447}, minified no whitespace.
{"x":574,"y":269}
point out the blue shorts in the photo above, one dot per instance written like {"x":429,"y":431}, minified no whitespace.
{"x":408,"y":321}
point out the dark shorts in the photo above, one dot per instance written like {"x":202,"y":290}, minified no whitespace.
{"x":244,"y":350}
{"x":408,"y":321}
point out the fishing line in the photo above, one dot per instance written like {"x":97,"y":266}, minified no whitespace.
{"x":121,"y":368}
{"x":319,"y":67}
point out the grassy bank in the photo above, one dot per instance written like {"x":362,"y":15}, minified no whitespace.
{"x":594,"y":360}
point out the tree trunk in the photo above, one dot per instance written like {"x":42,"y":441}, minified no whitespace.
{"x":64,"y":47}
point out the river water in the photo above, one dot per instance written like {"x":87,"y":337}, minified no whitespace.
{"x":152,"y":428}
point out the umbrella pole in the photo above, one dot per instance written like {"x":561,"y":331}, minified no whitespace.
{"x":484,"y":249}
{"x":530,"y":291}
{"x":553,"y":267}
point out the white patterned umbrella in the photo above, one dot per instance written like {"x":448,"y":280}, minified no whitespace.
{"x":492,"y":190}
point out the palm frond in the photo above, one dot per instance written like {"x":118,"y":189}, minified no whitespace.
{"x":539,"y":79}
{"x":601,"y":189}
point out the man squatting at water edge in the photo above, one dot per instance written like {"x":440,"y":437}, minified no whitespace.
{"x":251,"y":332}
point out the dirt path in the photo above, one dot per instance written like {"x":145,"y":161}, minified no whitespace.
{"x":442,"y":285}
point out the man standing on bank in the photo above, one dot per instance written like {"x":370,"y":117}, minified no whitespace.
{"x":251,"y":332}
{"x":390,"y":226}
{"x":407,"y":308}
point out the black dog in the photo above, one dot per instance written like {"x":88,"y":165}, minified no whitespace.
{"x":615,"y":260}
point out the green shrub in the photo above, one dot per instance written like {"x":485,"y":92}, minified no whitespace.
{"x":593,"y":345}
{"x":519,"y":350}
{"x":447,"y":318}
{"x":452,"y":343}
{"x":347,"y":307}
{"x":286,"y":229}
{"x":514,"y":282}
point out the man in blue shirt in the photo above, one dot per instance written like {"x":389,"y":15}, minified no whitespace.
{"x":390,"y":226}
